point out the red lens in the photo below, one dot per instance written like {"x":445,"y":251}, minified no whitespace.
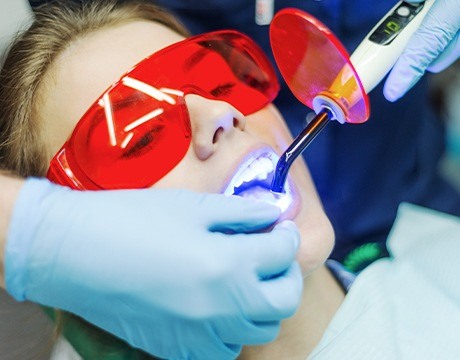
{"x":139,"y":130}
{"x":130,"y":153}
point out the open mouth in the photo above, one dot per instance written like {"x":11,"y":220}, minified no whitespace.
{"x":253,"y":179}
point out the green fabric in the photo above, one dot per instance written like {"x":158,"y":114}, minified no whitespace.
{"x":92,"y":343}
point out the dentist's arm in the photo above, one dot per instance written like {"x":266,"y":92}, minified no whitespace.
{"x":434,"y":46}
{"x":171,"y":272}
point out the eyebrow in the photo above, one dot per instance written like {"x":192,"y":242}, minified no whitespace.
{"x":195,"y":59}
{"x":147,"y":89}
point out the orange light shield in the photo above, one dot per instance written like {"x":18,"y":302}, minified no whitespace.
{"x":313,"y":62}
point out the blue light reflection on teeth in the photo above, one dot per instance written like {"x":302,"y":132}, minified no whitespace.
{"x":253,"y":180}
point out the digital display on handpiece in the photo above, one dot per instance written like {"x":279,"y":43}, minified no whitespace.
{"x":395,"y":22}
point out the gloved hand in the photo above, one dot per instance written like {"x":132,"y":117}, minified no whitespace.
{"x":434,"y":46}
{"x":157,"y":268}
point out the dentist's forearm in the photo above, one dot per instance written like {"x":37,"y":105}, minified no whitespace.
{"x":9,"y":190}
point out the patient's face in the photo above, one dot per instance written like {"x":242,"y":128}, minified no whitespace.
{"x":224,"y":142}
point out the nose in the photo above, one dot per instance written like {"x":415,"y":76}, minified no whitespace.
{"x":212,"y":122}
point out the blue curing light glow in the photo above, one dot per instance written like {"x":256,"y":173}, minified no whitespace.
{"x":253,"y":180}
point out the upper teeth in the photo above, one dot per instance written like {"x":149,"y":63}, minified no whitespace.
{"x":256,"y":170}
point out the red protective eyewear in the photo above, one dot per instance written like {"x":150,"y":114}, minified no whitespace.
{"x":139,"y":129}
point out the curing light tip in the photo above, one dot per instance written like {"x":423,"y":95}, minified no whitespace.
{"x":299,"y":144}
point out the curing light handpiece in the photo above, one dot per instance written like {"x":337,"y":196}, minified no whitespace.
{"x":322,"y":76}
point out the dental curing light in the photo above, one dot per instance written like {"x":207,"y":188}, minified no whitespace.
{"x":322,"y":76}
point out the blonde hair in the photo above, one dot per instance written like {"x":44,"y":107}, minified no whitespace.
{"x":55,"y":27}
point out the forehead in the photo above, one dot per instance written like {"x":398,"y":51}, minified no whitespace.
{"x":87,"y":67}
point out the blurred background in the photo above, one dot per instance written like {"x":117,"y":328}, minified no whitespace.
{"x":445,"y":92}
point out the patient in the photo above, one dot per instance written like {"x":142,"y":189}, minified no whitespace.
{"x":196,"y":116}
{"x":66,"y":65}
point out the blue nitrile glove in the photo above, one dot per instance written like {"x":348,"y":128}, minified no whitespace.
{"x":152,"y":267}
{"x":434,"y":46}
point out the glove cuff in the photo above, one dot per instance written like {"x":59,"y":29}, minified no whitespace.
{"x":20,"y":236}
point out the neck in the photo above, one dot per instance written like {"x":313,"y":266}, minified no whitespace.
{"x":300,"y":334}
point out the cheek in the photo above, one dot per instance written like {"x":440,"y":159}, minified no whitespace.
{"x":317,"y":234}
{"x":317,"y":241}
{"x":268,"y":125}
{"x":191,"y":174}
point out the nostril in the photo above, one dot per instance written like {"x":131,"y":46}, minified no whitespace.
{"x":217,"y":134}
{"x":239,"y":122}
